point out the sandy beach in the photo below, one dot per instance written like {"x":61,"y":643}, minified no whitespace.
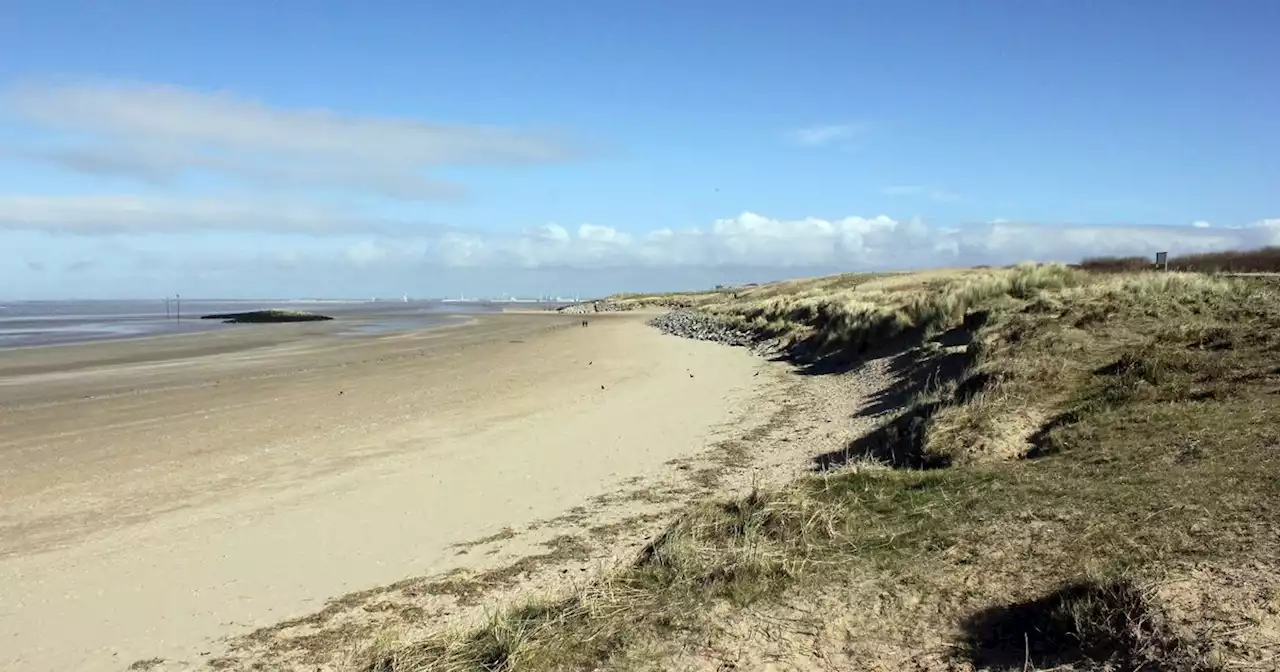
{"x":161,"y":495}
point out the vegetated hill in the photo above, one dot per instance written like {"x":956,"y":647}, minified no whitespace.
{"x":1264,"y":260}
{"x":1085,"y":474}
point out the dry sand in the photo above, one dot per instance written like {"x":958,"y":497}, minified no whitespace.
{"x":159,"y":496}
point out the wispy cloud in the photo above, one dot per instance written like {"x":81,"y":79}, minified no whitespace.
{"x":127,"y":214}
{"x":821,"y":135}
{"x":159,"y":133}
{"x":920,"y":191}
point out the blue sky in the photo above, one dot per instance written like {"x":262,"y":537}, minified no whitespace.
{"x":325,"y":148}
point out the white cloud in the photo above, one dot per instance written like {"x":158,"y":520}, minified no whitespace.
{"x":748,"y":240}
{"x":754,"y":241}
{"x":602,"y":234}
{"x":159,"y":133}
{"x":918,"y":191}
{"x":1201,"y":224}
{"x":553,"y":233}
{"x":365,"y":252}
{"x":165,"y":166}
{"x":821,"y":135}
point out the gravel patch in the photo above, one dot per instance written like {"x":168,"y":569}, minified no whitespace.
{"x":595,"y":307}
{"x":701,"y":327}
{"x":609,"y":306}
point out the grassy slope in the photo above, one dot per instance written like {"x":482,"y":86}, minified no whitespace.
{"x":1086,"y":472}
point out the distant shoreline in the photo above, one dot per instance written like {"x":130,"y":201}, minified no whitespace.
{"x":58,"y":324}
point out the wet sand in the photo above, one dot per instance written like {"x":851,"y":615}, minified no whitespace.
{"x":159,"y":495}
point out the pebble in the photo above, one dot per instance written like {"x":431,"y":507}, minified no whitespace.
{"x":593,"y":307}
{"x":607,"y":306}
{"x":702,"y":327}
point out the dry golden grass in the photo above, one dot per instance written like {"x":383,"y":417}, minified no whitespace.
{"x":1145,"y":407}
{"x":667,"y":300}
{"x":844,"y":316}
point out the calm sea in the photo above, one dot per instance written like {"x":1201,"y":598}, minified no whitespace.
{"x":31,"y":323}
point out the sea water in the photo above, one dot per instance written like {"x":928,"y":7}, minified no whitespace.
{"x":35,"y":323}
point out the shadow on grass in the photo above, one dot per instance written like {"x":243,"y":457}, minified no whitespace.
{"x":899,"y":441}
{"x":1090,"y":624}
{"x":814,"y":356}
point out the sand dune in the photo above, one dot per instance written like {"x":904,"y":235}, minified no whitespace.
{"x":161,"y":495}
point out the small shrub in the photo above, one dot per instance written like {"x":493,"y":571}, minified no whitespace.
{"x":1117,"y":264}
